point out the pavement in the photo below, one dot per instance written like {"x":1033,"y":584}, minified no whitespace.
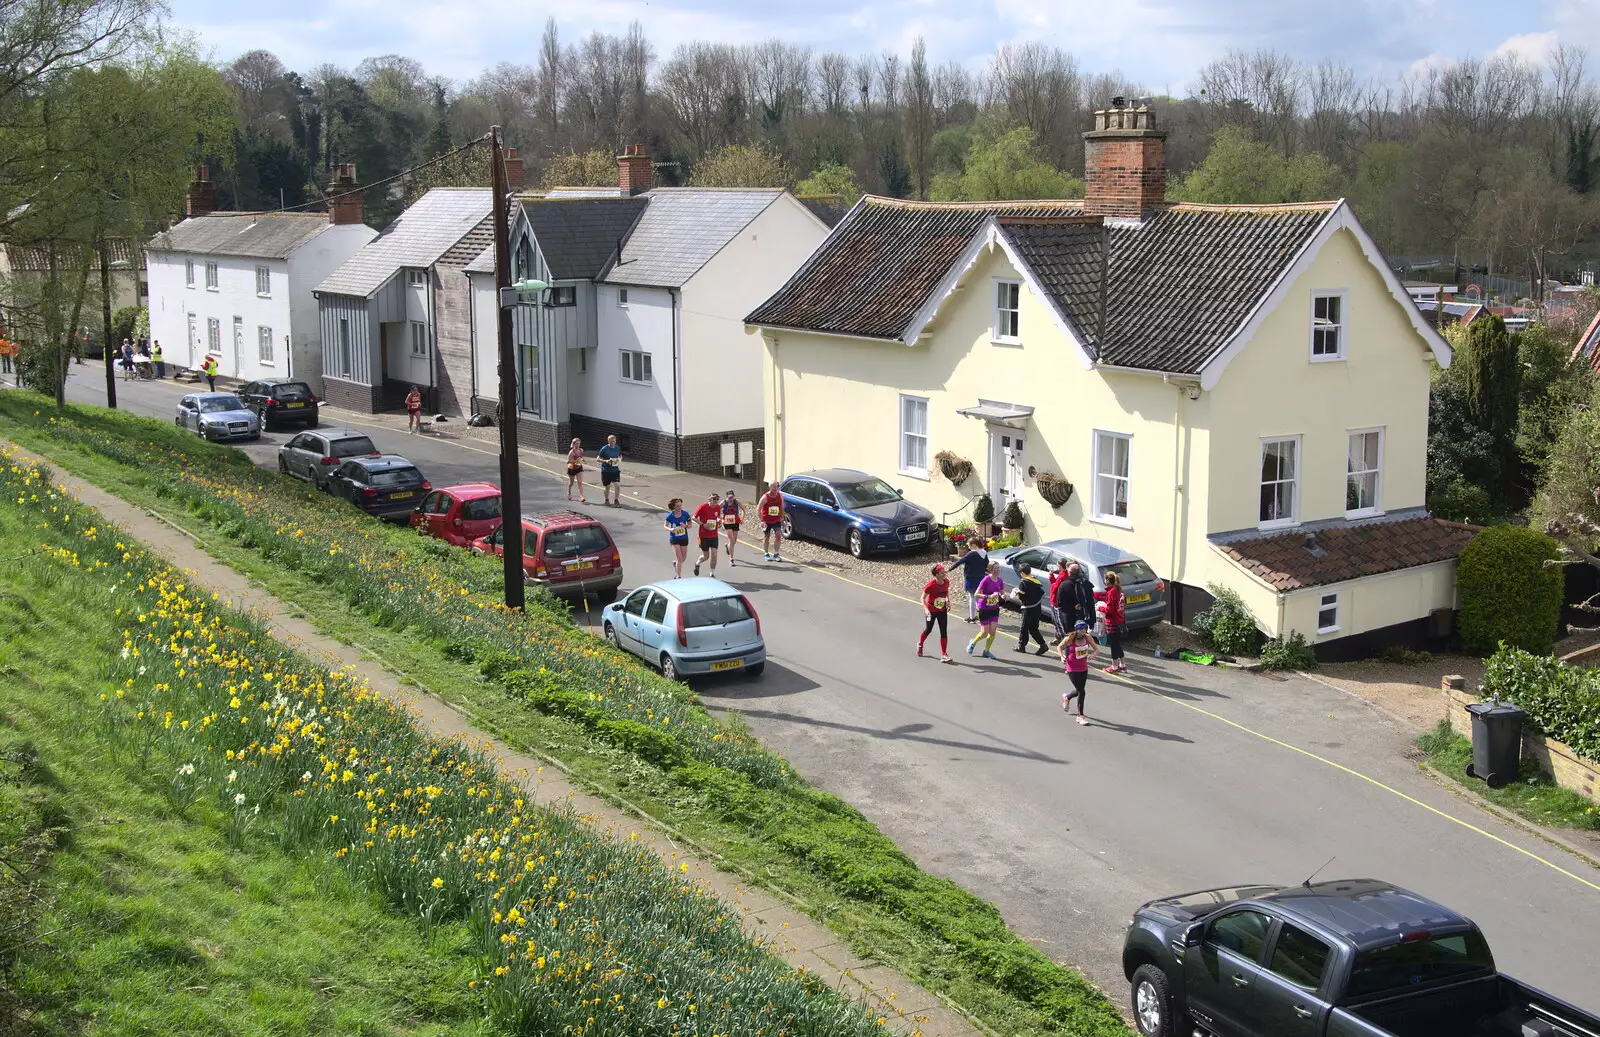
{"x":1188,"y":778}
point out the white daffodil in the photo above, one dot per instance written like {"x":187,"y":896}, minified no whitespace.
{"x":186,"y":770}
{"x":232,"y":777}
{"x":238,"y":800}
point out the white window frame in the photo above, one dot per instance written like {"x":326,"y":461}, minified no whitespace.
{"x":214,"y":335}
{"x":915,"y":471}
{"x":188,"y":273}
{"x":1294,"y":493}
{"x":636,"y":367}
{"x":1341,"y":327}
{"x":1007,"y":317}
{"x":263,"y":282}
{"x":622,"y":297}
{"x":1098,"y":498}
{"x":265,"y":347}
{"x":1377,"y":473}
{"x":213,"y":277}
{"x":1329,"y":600}
{"x":419,"y":338}
{"x":416,"y":277}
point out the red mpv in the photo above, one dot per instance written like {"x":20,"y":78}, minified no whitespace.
{"x":460,"y":514}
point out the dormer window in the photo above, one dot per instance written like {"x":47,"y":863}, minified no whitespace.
{"x":416,"y":277}
{"x":524,"y":261}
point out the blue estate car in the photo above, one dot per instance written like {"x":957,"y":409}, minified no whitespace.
{"x":688,"y":626}
{"x":854,"y":510}
{"x":1145,"y":600}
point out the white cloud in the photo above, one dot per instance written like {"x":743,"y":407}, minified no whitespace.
{"x":1529,"y":46}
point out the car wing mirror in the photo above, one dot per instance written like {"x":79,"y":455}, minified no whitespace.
{"x":1195,"y":935}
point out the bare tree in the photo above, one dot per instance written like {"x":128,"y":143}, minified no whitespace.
{"x":552,"y":84}
{"x":919,"y":114}
{"x":1260,"y":91}
{"x":1330,"y":124}
{"x":833,"y":83}
{"x":701,"y":89}
{"x":1575,"y":107}
{"x":1039,"y":87}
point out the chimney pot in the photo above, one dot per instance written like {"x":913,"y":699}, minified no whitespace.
{"x":1125,"y":166}
{"x":344,"y":196}
{"x":634,"y":172}
{"x":202,"y":196}
{"x":514,"y":171}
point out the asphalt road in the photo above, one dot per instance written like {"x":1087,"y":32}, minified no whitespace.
{"x":1189,"y":777}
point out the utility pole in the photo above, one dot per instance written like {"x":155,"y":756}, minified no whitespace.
{"x":510,"y":472}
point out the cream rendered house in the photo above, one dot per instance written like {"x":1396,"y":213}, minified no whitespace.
{"x":1238,"y":394}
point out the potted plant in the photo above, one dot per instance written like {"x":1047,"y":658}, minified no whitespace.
{"x":957,"y":469}
{"x":1013,"y":516}
{"x":983,"y":512}
{"x":1053,"y":488}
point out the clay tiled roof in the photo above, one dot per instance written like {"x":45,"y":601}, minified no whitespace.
{"x":36,"y":258}
{"x":874,"y":272}
{"x":1291,"y":561}
{"x":1174,"y":287}
{"x":471,"y":246}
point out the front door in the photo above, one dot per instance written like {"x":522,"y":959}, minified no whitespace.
{"x":1007,"y":470}
{"x":194,"y":341}
{"x":238,"y":347}
{"x":1220,"y":975}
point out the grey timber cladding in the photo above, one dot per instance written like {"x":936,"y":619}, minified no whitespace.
{"x":349,"y":336}
{"x":681,"y":230}
{"x":273,"y":235}
{"x":436,"y":223}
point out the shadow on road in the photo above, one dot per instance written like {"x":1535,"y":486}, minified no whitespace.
{"x":1142,"y":732}
{"x":905,"y":732}
{"x":777,"y":680}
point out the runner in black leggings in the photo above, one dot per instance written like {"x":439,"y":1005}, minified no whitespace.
{"x":936,"y":609}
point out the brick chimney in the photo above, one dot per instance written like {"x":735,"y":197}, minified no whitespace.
{"x":1125,"y":162}
{"x":202,"y":197}
{"x":514,"y":173}
{"x":634,"y":174}
{"x":346,"y":210}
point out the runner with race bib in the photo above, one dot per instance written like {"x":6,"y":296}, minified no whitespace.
{"x":936,"y":610}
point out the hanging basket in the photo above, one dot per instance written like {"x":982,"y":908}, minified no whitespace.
{"x":957,"y":469}
{"x":1053,"y":488}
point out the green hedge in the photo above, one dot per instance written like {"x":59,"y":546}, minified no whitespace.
{"x":1507,"y":592}
{"x":1562,"y":701}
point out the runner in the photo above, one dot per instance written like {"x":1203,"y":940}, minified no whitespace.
{"x":1030,"y":597}
{"x":732,"y":517}
{"x":1076,"y":649}
{"x":708,"y":515}
{"x":126,"y":362}
{"x":936,"y":610}
{"x":611,"y":472}
{"x":1114,"y":621}
{"x":772,"y":523}
{"x":414,"y":410}
{"x":575,"y":470}
{"x":988,"y":594}
{"x":677,"y":523}
{"x":973,"y":564}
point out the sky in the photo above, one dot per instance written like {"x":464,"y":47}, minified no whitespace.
{"x":1157,"y":43}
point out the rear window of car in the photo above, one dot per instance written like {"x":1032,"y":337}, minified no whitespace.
{"x":575,"y":540}
{"x":355,"y":446}
{"x":714,"y":612}
{"x":1416,"y":962}
{"x":290,"y":391}
{"x":1133,"y":572}
{"x":395,"y":478}
{"x":481,"y":509}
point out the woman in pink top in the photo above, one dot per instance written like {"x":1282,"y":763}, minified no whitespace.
{"x":990,"y":589}
{"x":1075,"y":650}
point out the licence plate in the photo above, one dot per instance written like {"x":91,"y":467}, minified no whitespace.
{"x":729,"y":664}
{"x":916,"y":536}
{"x":580,"y":565}
{"x":293,"y":405}
{"x":407,"y":493}
{"x":1138,"y":599}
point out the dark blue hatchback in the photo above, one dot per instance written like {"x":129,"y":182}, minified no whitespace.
{"x":854,"y":510}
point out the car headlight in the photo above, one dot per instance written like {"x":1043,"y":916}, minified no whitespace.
{"x":878,"y":527}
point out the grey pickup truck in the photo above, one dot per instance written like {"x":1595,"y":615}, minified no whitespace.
{"x":1355,"y":958}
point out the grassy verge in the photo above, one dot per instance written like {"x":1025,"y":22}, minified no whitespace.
{"x":1534,"y":795}
{"x":535,"y":681}
{"x":541,"y":926}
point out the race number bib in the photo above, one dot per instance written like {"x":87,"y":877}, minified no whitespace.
{"x":939,"y":604}
{"x":773,"y":511}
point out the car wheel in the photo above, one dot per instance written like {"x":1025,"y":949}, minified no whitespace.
{"x":283,"y":466}
{"x":787,"y":527}
{"x":611,"y":635}
{"x":607,"y":596}
{"x":1151,"y":997}
{"x":669,"y":669}
{"x":312,"y":423}
{"x":857,"y":543}
{"x":756,"y":670}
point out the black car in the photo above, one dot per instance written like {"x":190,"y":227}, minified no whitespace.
{"x":1351,"y":958}
{"x":388,"y":486}
{"x":313,"y":456}
{"x":281,"y":402}
{"x":855,"y":510}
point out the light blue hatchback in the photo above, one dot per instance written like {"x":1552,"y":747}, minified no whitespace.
{"x":689,"y":626}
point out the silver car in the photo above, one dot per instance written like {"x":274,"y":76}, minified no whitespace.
{"x":220,"y":416}
{"x":314,"y":455}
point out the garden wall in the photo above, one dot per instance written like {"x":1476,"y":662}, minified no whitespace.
{"x":1569,"y":770}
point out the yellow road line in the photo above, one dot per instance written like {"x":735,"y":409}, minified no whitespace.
{"x":1153,"y":691}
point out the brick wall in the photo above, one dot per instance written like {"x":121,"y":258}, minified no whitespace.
{"x":699,"y":453}
{"x":1569,"y":770}
{"x":364,"y":399}
{"x":531,"y":432}
{"x":1125,"y":173}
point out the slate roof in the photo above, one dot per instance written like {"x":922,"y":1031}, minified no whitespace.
{"x":434,"y":224}
{"x":1289,"y":561}
{"x":879,"y":265}
{"x":682,"y":228}
{"x":272,"y":235}
{"x":1175,"y":287}
{"x":578,"y":236}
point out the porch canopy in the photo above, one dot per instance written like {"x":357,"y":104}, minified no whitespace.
{"x":1013,"y":415}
